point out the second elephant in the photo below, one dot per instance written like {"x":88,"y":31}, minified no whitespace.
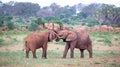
{"x":76,"y":39}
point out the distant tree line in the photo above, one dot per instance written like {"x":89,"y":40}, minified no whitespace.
{"x":20,"y":13}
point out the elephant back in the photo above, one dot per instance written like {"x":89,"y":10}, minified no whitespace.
{"x":81,"y":29}
{"x":83,"y":37}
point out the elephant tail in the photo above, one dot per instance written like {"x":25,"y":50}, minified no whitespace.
{"x":25,"y":44}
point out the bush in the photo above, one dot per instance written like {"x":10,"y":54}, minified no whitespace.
{"x":1,"y":22}
{"x":10,"y":25}
{"x":90,"y":22}
{"x":39,"y":21}
{"x":65,"y":20}
{"x":33,"y":26}
{"x":58,"y":22}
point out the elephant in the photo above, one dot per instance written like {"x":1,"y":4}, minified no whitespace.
{"x":34,"y":41}
{"x":94,"y":29}
{"x":76,"y":39}
{"x":117,"y":29}
{"x":66,"y":28}
{"x":52,"y":26}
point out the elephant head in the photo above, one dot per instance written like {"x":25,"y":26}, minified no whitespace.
{"x":67,"y":35}
{"x":52,"y":35}
{"x":34,"y":41}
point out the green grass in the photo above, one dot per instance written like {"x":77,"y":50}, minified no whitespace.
{"x":100,"y":58}
{"x":17,"y":58}
{"x":59,"y":42}
{"x":10,"y":37}
{"x":105,"y":38}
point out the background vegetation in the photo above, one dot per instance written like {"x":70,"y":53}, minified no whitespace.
{"x":17,"y":14}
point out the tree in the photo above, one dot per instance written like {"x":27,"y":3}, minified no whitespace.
{"x":1,"y":9}
{"x":58,"y":22}
{"x":33,"y":26}
{"x":108,"y":13}
{"x":26,"y":9}
{"x":54,"y":7}
{"x":6,"y":9}
{"x":39,"y":21}
{"x":6,"y":21}
{"x":81,"y":15}
{"x":90,"y":9}
{"x":10,"y":25}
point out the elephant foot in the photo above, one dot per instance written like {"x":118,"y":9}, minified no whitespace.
{"x":90,"y":57}
{"x":81,"y":57}
{"x":72,"y":57}
{"x":44,"y":58}
{"x":27,"y":57}
{"x":35,"y":57}
{"x":63,"y":57}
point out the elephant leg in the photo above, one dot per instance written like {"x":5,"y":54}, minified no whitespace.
{"x":34,"y":54}
{"x":71,"y":52}
{"x":90,"y":52}
{"x":66,"y":50}
{"x":27,"y":52}
{"x":82,"y":53}
{"x":72,"y":46}
{"x":44,"y":53}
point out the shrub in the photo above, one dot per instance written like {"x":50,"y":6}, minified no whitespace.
{"x":10,"y":25}
{"x":58,"y":22}
{"x":90,"y":22}
{"x":39,"y":21}
{"x":33,"y":26}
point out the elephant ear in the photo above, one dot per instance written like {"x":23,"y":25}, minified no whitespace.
{"x":71,"y":36}
{"x":52,"y":35}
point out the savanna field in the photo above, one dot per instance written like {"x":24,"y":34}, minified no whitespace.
{"x":100,"y":20}
{"x":106,"y":52}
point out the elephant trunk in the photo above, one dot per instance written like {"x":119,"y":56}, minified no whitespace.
{"x":52,"y":26}
{"x":61,"y":36}
{"x":57,"y":35}
{"x":57,"y":38}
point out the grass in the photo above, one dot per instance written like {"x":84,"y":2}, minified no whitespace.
{"x":101,"y":58}
{"x":12,"y":59}
{"x":106,"y":38}
{"x":9,"y":37}
{"x":60,"y":42}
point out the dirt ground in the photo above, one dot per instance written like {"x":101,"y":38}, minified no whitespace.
{"x":19,"y":47}
{"x":97,"y":61}
{"x":56,"y":47}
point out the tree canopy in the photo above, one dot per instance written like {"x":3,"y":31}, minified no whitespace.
{"x":90,"y":15}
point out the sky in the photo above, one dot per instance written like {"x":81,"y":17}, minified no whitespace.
{"x":43,"y":3}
